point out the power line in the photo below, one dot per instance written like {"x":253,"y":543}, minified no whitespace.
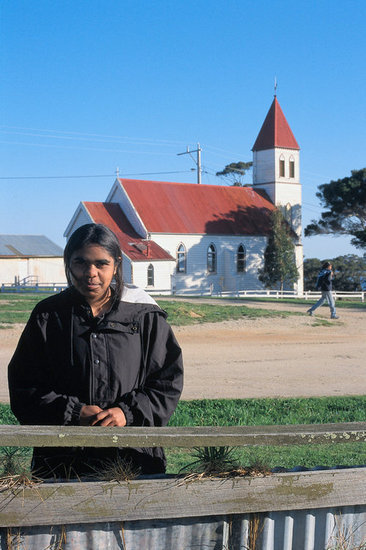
{"x":92,"y":176}
{"x":79,"y":148}
{"x":66,"y":134}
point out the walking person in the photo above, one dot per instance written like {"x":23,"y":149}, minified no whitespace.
{"x":324,"y":283}
{"x":99,"y":353}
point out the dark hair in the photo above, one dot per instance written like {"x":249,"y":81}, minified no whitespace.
{"x":101,"y":235}
{"x":326,"y":265}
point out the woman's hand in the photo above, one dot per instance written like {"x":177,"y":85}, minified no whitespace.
{"x":109,"y":417}
{"x":88,"y":413}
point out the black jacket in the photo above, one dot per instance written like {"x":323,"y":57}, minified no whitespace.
{"x":324,"y":280}
{"x":67,"y":358}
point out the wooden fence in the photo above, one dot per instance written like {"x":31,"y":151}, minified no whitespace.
{"x":178,"y":497}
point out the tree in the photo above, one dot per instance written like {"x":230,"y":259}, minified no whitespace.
{"x":312,"y":266}
{"x":348,"y":272}
{"x":279,"y":256}
{"x":235,"y":172}
{"x":345,"y":201}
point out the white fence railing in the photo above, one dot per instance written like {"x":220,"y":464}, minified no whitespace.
{"x":306,"y":295}
{"x":278,"y":294}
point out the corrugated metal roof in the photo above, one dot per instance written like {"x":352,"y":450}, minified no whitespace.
{"x":28,"y":245}
{"x":275,"y":131}
{"x":167,"y":207}
{"x":135,"y":247}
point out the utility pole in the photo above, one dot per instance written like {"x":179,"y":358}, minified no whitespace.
{"x":197,"y":162}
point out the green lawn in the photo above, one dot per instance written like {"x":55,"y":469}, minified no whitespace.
{"x":16,"y":308}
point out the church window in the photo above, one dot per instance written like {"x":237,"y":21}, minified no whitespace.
{"x":282,"y":166}
{"x":292,"y":168}
{"x":211,"y":259}
{"x":181,"y":259}
{"x":288,"y":213}
{"x":150,"y":275}
{"x":240,"y":259}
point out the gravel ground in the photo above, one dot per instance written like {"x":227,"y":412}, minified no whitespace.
{"x":269,"y":357}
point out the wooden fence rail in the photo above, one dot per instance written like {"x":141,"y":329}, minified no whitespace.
{"x":188,"y":437}
{"x":178,"y":497}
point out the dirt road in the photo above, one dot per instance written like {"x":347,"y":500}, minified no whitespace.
{"x":262,"y":358}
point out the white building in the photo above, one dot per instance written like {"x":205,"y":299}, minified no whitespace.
{"x":30,"y":259}
{"x":186,"y":238}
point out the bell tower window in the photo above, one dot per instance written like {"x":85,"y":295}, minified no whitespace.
{"x":292,"y":168}
{"x":282,"y":166}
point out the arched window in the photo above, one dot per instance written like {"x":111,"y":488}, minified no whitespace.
{"x":150,"y":275}
{"x":282,"y":166}
{"x":240,"y":259}
{"x":211,"y":259}
{"x":181,"y":259}
{"x":292,"y":167}
{"x":288,"y":213}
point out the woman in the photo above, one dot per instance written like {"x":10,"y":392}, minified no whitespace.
{"x":96,"y":355}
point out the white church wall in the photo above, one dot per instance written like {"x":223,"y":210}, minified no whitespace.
{"x":299,"y":255}
{"x":126,"y":269}
{"x":290,"y":194}
{"x":263,"y":167}
{"x":162,"y":275}
{"x":198,"y":279}
{"x":287,"y":155}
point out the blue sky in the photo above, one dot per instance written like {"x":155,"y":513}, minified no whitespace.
{"x":88,"y":86}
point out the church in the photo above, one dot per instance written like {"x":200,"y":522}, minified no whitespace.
{"x":184,"y":238}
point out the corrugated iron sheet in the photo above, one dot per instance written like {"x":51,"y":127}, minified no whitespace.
{"x":133,"y":245}
{"x":166,"y":207}
{"x":320,"y":529}
{"x":28,"y":245}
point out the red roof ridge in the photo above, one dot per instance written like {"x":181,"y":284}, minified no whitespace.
{"x":275,"y":131}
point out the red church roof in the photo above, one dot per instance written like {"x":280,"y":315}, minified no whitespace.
{"x":136,"y":248}
{"x":275,"y":131}
{"x":165,"y":207}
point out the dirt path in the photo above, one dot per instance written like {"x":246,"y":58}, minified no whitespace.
{"x":262,"y":358}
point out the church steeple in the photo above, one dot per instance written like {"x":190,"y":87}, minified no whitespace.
{"x":276,"y":170}
{"x":275,"y":131}
{"x":276,"y":165}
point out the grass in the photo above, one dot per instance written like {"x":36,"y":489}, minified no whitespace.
{"x":17,"y":308}
{"x":237,"y":412}
{"x":246,"y":412}
{"x":188,"y":313}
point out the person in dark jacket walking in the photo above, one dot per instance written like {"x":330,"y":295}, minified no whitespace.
{"x":324,"y":283}
{"x":99,"y":353}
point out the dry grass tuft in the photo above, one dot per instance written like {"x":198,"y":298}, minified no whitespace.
{"x":116,"y":470}
{"x":17,"y":481}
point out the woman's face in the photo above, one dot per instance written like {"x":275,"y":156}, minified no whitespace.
{"x":92,"y":269}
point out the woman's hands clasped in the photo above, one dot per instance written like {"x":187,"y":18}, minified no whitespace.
{"x":92,"y":415}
